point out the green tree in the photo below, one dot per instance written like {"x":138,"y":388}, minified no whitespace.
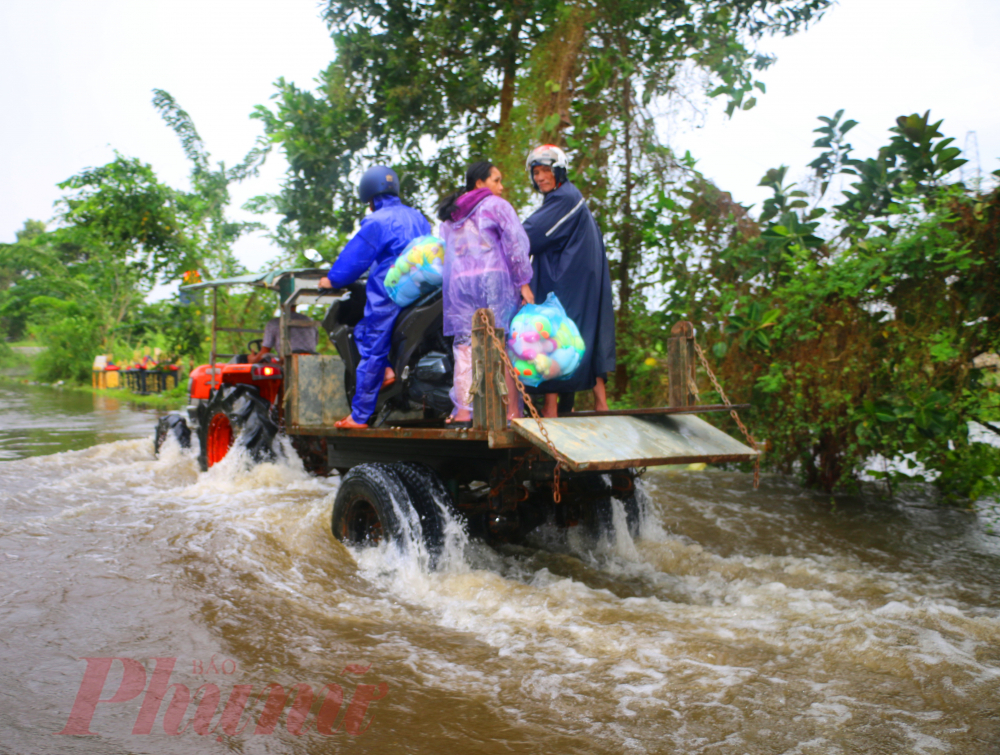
{"x":854,"y":342}
{"x":20,"y":265}
{"x":118,"y":228}
{"x":428,"y":86}
{"x":210,"y":234}
{"x":81,"y":286}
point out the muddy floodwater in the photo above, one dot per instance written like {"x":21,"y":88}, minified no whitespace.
{"x":775,"y":621}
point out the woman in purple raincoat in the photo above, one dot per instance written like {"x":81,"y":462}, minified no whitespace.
{"x":485,"y":265}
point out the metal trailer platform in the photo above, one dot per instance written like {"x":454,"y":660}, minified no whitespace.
{"x":587,"y":441}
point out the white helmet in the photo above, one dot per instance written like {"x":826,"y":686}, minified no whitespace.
{"x":550,"y":155}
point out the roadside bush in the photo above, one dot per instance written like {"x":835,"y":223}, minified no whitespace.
{"x":5,"y":350}
{"x":851,"y":330}
{"x":71,"y":338}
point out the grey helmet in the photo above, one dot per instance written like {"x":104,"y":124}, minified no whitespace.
{"x":552,"y":156}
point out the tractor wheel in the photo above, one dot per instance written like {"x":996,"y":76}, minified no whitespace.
{"x":236,"y":414}
{"x":398,"y":503}
{"x":172,"y":425}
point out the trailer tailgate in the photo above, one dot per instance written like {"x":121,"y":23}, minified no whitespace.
{"x":616,"y":442}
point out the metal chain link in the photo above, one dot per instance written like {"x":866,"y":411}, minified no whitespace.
{"x":732,"y":412}
{"x":560,"y":459}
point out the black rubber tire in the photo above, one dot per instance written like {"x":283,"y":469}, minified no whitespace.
{"x":433,"y":505}
{"x":364,"y":513}
{"x":600,"y":517}
{"x":249,"y":415}
{"x":172,"y":425}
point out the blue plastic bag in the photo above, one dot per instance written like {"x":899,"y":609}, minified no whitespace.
{"x":417,"y":271}
{"x":544,"y":343}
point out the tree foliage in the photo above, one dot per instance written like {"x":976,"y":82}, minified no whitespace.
{"x":855,"y":340}
{"x":80,"y":286}
{"x":431,"y":85}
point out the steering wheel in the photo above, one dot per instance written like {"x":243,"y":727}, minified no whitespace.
{"x":250,"y":345}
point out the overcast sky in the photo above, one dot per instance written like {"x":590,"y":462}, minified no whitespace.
{"x":76,"y":79}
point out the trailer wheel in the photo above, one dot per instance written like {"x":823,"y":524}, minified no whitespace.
{"x":236,"y":414}
{"x":172,"y":425}
{"x":433,"y":504}
{"x":402,"y":503}
{"x":363,"y":511}
{"x":621,"y":485}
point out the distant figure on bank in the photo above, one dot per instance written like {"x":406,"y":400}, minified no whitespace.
{"x":301,"y":340}
{"x":486,"y":265}
{"x":569,"y":258}
{"x":380,"y":240}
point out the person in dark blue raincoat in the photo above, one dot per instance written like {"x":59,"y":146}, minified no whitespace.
{"x":568,"y":257}
{"x":380,"y":240}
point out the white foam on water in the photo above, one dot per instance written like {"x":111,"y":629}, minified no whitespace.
{"x":802,"y":617}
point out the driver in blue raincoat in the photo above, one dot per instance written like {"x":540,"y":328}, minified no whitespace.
{"x":380,"y":240}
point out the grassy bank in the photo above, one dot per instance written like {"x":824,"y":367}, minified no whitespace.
{"x":167,"y":401}
{"x":17,"y":363}
{"x":17,"y":358}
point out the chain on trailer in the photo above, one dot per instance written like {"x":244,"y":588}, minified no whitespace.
{"x":733,"y":413}
{"x":559,"y":458}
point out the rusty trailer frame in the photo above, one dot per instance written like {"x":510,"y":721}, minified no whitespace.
{"x":589,"y":441}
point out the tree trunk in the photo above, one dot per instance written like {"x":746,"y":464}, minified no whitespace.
{"x":627,"y":232}
{"x":510,"y":64}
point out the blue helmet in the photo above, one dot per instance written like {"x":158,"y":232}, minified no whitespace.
{"x":378,"y":179}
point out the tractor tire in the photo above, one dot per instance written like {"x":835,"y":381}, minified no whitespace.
{"x":173,"y":425}
{"x":236,"y":415}
{"x":397,"y":503}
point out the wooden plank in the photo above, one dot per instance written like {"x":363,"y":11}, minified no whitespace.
{"x":489,"y":408}
{"x":617,"y":442}
{"x":506,"y":439}
{"x":396,"y":433}
{"x":681,"y":365}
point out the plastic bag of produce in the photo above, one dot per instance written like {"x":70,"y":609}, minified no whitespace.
{"x":544,"y":343}
{"x":417,"y":271}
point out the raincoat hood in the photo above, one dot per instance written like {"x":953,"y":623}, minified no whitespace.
{"x":485,"y":263}
{"x":466,"y":203}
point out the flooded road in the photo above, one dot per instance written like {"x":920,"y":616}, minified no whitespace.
{"x":37,"y":420}
{"x":740,"y":622}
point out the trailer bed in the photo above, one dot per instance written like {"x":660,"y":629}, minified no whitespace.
{"x":619,"y":441}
